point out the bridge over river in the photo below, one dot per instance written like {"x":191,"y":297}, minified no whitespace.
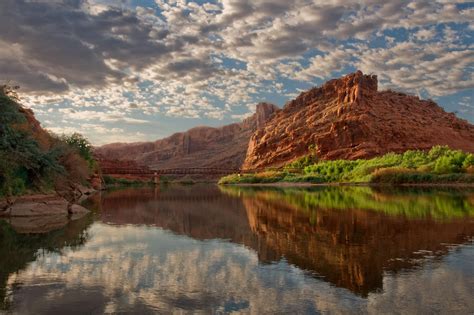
{"x":156,"y":173}
{"x":174,"y":171}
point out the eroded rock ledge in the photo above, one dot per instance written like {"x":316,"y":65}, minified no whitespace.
{"x":40,"y":213}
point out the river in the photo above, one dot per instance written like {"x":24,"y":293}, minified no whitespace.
{"x":261,"y":250}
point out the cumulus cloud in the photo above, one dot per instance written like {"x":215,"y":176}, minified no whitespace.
{"x":185,"y":59}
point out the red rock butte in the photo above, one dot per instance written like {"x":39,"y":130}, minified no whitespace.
{"x":345,"y":118}
{"x":348,"y":118}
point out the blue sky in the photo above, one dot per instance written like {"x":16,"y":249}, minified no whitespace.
{"x":140,"y":70}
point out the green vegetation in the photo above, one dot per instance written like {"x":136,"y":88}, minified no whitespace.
{"x":439,"y":165}
{"x":82,"y":146}
{"x":112,"y":181}
{"x":31,"y":159}
{"x":439,"y":204}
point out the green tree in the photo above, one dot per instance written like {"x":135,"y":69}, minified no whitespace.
{"x":79,"y":143}
{"x":23,"y":163}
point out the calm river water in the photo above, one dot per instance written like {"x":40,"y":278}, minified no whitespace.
{"x":209,"y":249}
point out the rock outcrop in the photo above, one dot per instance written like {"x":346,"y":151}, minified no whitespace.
{"x":348,"y":118}
{"x":223,"y":147}
{"x":40,"y":213}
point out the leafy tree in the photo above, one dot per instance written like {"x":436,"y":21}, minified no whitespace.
{"x":23,"y":164}
{"x":79,"y":143}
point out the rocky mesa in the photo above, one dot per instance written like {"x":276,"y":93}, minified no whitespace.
{"x":223,"y":147}
{"x":348,"y":118}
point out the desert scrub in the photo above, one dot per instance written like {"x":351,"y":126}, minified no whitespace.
{"x":257,"y":178}
{"x":414,"y":166}
{"x":438,"y":165}
{"x":112,"y":181}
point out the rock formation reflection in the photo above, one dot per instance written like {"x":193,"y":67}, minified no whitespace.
{"x":347,"y":236}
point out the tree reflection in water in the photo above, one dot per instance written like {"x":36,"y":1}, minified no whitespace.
{"x":321,"y":239}
{"x":348,"y":235}
{"x":19,"y":249}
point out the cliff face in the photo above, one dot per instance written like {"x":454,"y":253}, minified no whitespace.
{"x":348,"y":118}
{"x":223,"y":147}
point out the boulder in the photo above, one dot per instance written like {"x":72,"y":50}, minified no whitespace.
{"x":38,"y":224}
{"x":39,"y":205}
{"x":77,"y":212}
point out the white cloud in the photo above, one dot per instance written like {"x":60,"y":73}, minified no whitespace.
{"x":126,"y":60}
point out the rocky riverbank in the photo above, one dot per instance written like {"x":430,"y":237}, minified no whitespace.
{"x":40,"y":213}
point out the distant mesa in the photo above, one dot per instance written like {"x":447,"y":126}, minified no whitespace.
{"x":345,"y":118}
{"x":223,"y":147}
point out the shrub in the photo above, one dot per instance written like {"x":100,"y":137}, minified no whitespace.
{"x":468,"y":161}
{"x":112,"y":181}
{"x":303,"y":179}
{"x":82,"y":146}
{"x":412,"y":166}
{"x":33,"y":159}
{"x":445,"y":165}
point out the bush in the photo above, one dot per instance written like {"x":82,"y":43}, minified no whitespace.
{"x":32,"y":159}
{"x":413,"y":166}
{"x":82,"y":146}
{"x":468,"y":161}
{"x":422,"y":178}
{"x":303,"y":179}
{"x":440,"y":160}
{"x":112,"y":181}
{"x":262,"y":178}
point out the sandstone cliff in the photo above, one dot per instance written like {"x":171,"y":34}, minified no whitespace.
{"x":348,"y":118}
{"x":223,"y":147}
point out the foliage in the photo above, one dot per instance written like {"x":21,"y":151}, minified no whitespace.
{"x":31,"y":160}
{"x":22,"y":162}
{"x":439,"y":160}
{"x":304,"y":161}
{"x":264,"y":177}
{"x":438,"y":165}
{"x":440,"y":204}
{"x":112,"y":181}
{"x":79,"y":143}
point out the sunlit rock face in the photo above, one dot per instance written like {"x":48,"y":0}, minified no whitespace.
{"x":348,"y":118}
{"x":223,"y":147}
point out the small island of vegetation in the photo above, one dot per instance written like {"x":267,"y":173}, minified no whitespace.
{"x":440,"y":165}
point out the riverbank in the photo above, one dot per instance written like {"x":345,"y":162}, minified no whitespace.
{"x":305,"y":184}
{"x":41,"y":213}
{"x":438,"y":166}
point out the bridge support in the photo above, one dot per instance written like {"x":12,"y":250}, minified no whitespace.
{"x":156,"y":178}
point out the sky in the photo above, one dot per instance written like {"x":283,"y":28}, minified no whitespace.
{"x":140,"y":70}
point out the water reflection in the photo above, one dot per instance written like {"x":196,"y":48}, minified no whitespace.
{"x":17,"y":250}
{"x":349,"y":236}
{"x":352,"y":235}
{"x":349,"y":249}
